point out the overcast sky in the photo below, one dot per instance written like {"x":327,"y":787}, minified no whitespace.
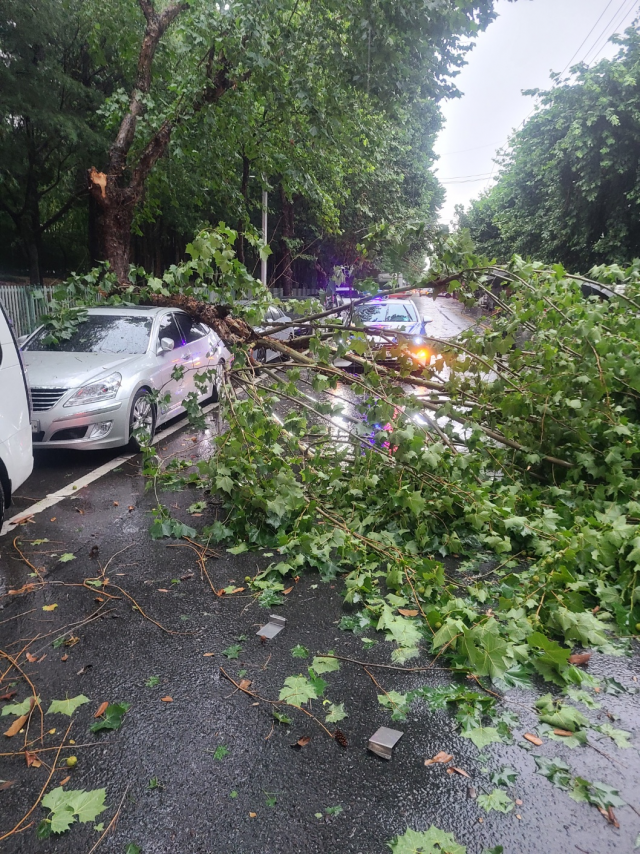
{"x":529,"y":39}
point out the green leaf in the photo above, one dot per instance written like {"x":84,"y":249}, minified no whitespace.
{"x":297,"y":690}
{"x":482,"y":736}
{"x":336,"y":713}
{"x":220,"y":752}
{"x":232,"y":651}
{"x":238,"y":550}
{"x":599,"y":794}
{"x":132,"y":848}
{"x":67,"y":707}
{"x":19,"y":709}
{"x":152,"y":682}
{"x":279,"y":716}
{"x":504,"y":777}
{"x":497,"y":849}
{"x":67,"y":806}
{"x":432,"y":841}
{"x":555,"y":770}
{"x":498,"y":800}
{"x":334,"y":810}
{"x":65,"y":558}
{"x":321,"y":664}
{"x":112,"y":718}
{"x":99,"y":827}
{"x":560,"y":715}
{"x":620,"y":736}
{"x":300,"y":651}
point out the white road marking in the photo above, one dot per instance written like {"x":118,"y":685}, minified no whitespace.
{"x":73,"y":488}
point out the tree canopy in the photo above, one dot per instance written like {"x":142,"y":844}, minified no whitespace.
{"x":188,"y":109}
{"x":569,"y":188}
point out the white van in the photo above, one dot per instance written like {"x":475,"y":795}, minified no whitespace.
{"x":16,"y":454}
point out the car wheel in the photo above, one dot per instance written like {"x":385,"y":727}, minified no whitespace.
{"x":215,"y":394}
{"x":141,"y":419}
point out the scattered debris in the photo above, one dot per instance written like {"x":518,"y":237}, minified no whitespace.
{"x":383,"y":741}
{"x":303,"y":741}
{"x":455,"y":770}
{"x":439,"y":757}
{"x":275,"y":625}
{"x":533,"y":738}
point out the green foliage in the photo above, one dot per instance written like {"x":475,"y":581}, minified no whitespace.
{"x":112,"y":718}
{"x":220,"y":752}
{"x":567,"y":190}
{"x":66,"y":807}
{"x":504,"y":777}
{"x":68,"y":706}
{"x":297,"y":690}
{"x":152,"y":682}
{"x":233,"y":651}
{"x":432,"y":841}
{"x":336,"y":713}
{"x":300,"y":651}
{"x":497,"y":800}
{"x":19,"y":708}
{"x":321,"y":664}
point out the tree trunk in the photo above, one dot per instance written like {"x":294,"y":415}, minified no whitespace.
{"x":287,"y":235}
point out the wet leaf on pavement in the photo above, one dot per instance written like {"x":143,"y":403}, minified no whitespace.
{"x":497,"y":800}
{"x":432,"y":841}
{"x":439,"y":757}
{"x":303,"y":741}
{"x":68,"y":706}
{"x":113,"y":715}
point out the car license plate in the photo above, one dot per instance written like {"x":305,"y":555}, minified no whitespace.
{"x":35,"y":426}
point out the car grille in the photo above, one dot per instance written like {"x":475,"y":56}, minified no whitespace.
{"x":46,"y":398}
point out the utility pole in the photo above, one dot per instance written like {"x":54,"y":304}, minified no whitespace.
{"x":265,"y":204}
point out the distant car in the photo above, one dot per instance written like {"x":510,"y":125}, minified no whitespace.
{"x":394,"y":316}
{"x":274,"y":316}
{"x":93,"y":390}
{"x":16,"y":455}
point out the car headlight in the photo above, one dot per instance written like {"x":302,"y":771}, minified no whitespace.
{"x":105,"y":389}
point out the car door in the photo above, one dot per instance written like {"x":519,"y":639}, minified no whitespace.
{"x":166,"y":362}
{"x":200,"y":348}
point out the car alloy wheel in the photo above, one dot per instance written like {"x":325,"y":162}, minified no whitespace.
{"x":143,"y":419}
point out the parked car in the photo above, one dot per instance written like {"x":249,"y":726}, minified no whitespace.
{"x":16,"y":455}
{"x":94,"y":390}
{"x":397,"y":317}
{"x":273,"y":316}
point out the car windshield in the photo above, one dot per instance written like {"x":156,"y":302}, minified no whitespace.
{"x":371,"y":313}
{"x":400,"y":314}
{"x":100,"y":333}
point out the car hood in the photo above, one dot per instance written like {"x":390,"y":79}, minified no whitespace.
{"x":70,"y":370}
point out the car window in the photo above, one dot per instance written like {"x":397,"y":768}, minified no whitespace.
{"x":371,"y":313}
{"x":273,"y":314}
{"x":170,"y":329}
{"x":401,"y":314}
{"x":191,"y":331}
{"x":100,"y":333}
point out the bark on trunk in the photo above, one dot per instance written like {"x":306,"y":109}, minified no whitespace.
{"x":287,"y":235}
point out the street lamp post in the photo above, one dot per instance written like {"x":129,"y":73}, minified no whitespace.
{"x":265,"y":203}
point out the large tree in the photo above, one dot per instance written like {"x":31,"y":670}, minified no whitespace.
{"x":391,"y":53}
{"x":569,"y":184}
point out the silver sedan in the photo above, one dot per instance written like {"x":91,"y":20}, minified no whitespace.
{"x":96,"y":389}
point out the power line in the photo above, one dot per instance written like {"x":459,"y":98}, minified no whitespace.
{"x":586,"y":37}
{"x":616,"y":29}
{"x":606,"y":32}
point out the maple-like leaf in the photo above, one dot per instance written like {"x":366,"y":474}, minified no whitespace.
{"x":481,"y":736}
{"x":497,"y":800}
{"x":336,"y":713}
{"x":19,"y":708}
{"x":297,"y":690}
{"x":322,"y":664}
{"x":432,"y":841}
{"x":68,"y":706}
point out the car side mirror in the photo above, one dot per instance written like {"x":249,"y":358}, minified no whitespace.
{"x":165,"y":346}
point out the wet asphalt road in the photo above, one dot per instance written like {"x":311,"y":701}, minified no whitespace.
{"x":209,"y":805}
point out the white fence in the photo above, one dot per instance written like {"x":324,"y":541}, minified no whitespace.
{"x":24,"y":305}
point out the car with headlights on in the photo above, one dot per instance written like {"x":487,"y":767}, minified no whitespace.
{"x":398,"y":321}
{"x":96,"y":388}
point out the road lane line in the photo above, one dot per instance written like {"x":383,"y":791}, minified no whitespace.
{"x":73,"y":488}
